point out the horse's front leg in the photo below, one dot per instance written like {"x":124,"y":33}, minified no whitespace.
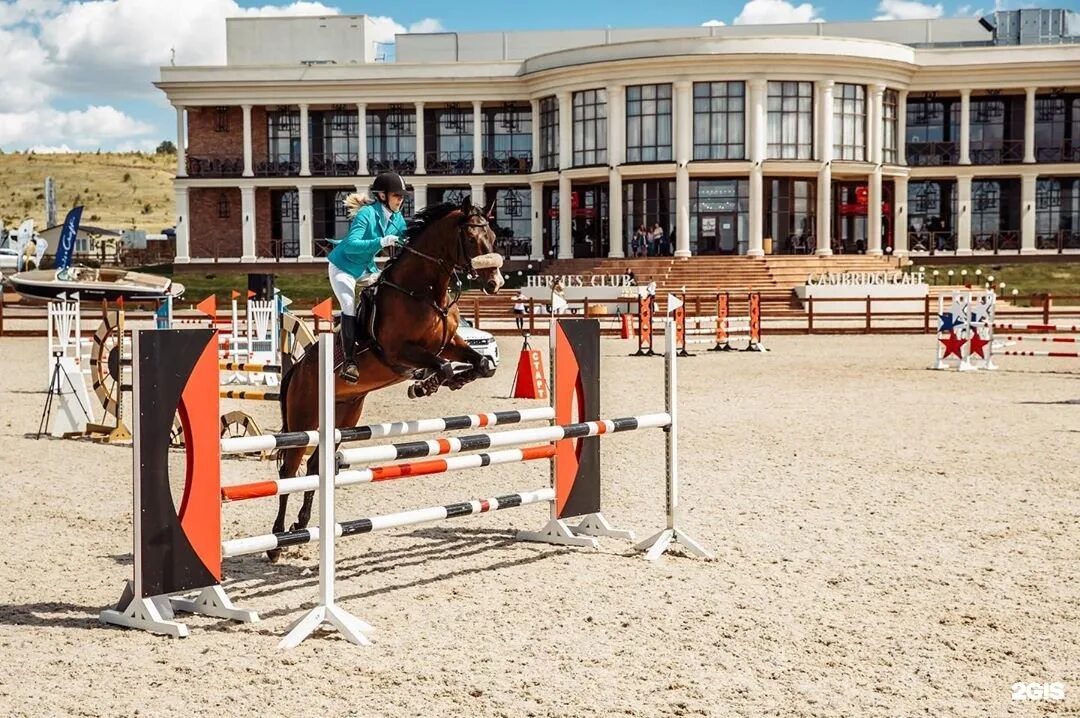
{"x":481,"y":367}
{"x":417,"y":356}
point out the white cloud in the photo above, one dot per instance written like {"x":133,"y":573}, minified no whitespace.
{"x":908,"y":10}
{"x":90,"y":128}
{"x":53,"y":149}
{"x":384,"y":28}
{"x":113,"y":49}
{"x":968,"y":11}
{"x":764,"y":12}
{"x":23,"y":81}
{"x":713,"y":23}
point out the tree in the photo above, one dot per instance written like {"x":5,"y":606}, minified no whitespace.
{"x":166,"y":148}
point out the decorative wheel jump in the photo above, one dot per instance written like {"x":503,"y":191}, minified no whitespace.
{"x":299,"y":338}
{"x":233,"y":424}
{"x":105,"y":363}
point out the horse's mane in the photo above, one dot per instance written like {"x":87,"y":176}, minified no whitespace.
{"x":427,"y":216}
{"x":420,"y":222}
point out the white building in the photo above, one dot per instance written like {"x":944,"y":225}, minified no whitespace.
{"x":925,"y":136}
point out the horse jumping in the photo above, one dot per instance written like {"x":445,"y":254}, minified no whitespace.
{"x":413,"y":327}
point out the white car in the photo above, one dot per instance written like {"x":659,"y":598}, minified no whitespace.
{"x":479,"y":340}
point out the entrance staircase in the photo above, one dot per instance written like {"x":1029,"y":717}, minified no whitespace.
{"x":775,"y":277}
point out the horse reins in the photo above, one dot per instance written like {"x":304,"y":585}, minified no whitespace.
{"x":470,"y":273}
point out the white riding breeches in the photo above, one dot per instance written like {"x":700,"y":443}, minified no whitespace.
{"x":345,"y":285}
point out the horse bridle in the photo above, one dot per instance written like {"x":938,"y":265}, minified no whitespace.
{"x":490,"y":260}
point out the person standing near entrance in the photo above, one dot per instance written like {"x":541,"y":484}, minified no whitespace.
{"x":375,"y":223}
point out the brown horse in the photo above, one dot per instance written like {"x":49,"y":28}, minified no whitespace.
{"x":413,"y":331}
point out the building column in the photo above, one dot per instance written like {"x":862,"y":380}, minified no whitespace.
{"x":901,"y":128}
{"x":566,"y":132}
{"x":965,"y":127}
{"x":616,"y":148}
{"x":247,"y":216}
{"x":824,"y":189}
{"x":1029,"y":126}
{"x":181,"y":142}
{"x":1028,"y":213}
{"x":306,"y":223}
{"x":900,"y":216}
{"x":534,"y":108}
{"x":248,"y":168}
{"x":877,"y":138}
{"x":419,"y":196}
{"x":183,"y":219}
{"x":566,"y":219}
{"x":478,"y":136}
{"x":479,"y":198}
{"x":362,"y":159}
{"x":566,"y":159}
{"x":305,"y":143}
{"x":536,"y":225}
{"x":420,"y":151}
{"x":616,"y":211}
{"x":963,"y":208}
{"x":684,"y":147}
{"x":756,"y":137}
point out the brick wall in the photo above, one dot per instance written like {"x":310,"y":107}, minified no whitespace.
{"x":204,"y":138}
{"x":212,"y":235}
{"x":259,"y":136}
{"x":263,"y":210}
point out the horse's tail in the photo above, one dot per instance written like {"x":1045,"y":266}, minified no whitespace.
{"x":283,"y":393}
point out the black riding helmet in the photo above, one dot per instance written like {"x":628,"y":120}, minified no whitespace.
{"x":390,"y":182}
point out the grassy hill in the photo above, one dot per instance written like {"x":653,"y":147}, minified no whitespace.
{"x":119,"y":191}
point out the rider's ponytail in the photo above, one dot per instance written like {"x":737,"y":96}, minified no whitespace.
{"x":355,"y":201}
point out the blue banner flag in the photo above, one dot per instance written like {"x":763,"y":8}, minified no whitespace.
{"x":65,"y":250}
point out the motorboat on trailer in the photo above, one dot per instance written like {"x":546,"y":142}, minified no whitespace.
{"x":105,"y":283}
{"x":94,"y":284}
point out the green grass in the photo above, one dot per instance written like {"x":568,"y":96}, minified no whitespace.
{"x":304,"y":289}
{"x":1055,"y":278}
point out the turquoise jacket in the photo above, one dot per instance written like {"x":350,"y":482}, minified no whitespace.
{"x":355,"y":253}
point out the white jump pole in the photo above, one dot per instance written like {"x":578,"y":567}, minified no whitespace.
{"x":659,"y":543}
{"x":351,"y":627}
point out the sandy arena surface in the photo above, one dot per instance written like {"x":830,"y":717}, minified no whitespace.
{"x":890,"y":541}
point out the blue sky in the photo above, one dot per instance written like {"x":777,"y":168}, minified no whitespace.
{"x":83,"y":69}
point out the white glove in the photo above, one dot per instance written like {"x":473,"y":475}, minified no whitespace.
{"x":389,"y":240}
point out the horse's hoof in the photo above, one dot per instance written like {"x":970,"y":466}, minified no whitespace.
{"x":274,"y":555}
{"x":414,"y":392}
{"x":486,"y":368}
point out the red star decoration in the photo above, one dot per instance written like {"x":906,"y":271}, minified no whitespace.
{"x":978,"y":344}
{"x":953,"y":346}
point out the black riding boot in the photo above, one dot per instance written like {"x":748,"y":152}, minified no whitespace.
{"x":349,"y":371}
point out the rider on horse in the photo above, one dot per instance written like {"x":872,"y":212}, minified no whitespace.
{"x":376,"y":223}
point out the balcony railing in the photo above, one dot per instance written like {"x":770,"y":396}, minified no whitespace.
{"x":278,"y":167}
{"x":404,"y":163}
{"x":508,"y":163}
{"x":932,"y":154}
{"x":1058,"y":241}
{"x":215,"y":166}
{"x":514,"y":246}
{"x":278,"y":248}
{"x":1067,"y":151}
{"x":997,"y":152}
{"x":321,"y":247}
{"x":458,"y":162}
{"x":932,"y":242}
{"x":1006,"y":240}
{"x":340,"y":164}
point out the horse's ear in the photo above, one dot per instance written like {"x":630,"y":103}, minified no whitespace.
{"x":466,"y":204}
